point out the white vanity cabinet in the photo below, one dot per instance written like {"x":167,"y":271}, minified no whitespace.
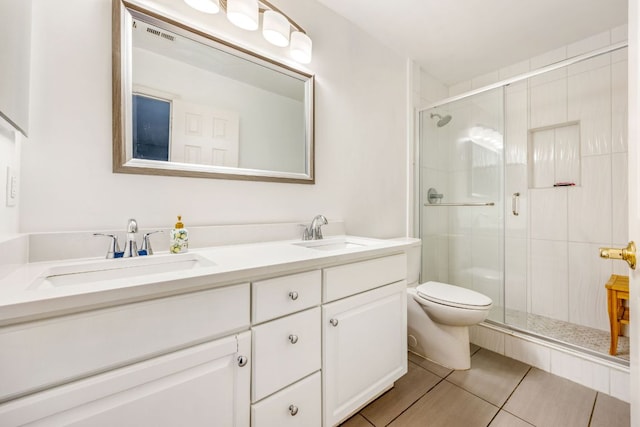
{"x":364,"y":336}
{"x":301,"y":349}
{"x":178,"y":360}
{"x":286,"y":386}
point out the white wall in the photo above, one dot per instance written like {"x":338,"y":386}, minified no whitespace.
{"x":360,"y":136}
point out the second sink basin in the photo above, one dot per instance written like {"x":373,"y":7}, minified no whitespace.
{"x":76,"y":274}
{"x":334,"y":244}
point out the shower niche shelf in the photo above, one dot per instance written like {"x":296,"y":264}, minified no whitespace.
{"x":554,"y":156}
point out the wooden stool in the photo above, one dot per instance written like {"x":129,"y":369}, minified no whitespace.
{"x":617,"y":290}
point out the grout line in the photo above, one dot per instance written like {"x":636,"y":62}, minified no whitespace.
{"x":593,"y":409}
{"x":418,"y":399}
{"x":494,"y":417}
{"x":365,"y":418}
{"x":520,"y":418}
{"x":516,"y":387}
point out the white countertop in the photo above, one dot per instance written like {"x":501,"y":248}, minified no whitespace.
{"x":21,"y":299}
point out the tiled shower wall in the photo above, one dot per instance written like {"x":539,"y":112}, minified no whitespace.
{"x":552,"y":267}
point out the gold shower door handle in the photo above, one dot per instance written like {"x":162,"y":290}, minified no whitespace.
{"x":628,"y":254}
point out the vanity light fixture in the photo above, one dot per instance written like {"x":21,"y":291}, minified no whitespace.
{"x":243,"y":13}
{"x":276,"y":26}
{"x":301,"y":47}
{"x":206,"y":6}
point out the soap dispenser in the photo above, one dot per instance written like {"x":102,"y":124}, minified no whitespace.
{"x":179,"y":238}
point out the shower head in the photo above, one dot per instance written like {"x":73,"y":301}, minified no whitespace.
{"x":442,"y":121}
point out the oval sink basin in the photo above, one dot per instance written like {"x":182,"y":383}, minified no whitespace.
{"x":334,"y":244}
{"x":77,"y":274}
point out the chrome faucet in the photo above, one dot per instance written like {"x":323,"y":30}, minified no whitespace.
{"x":313,"y":231}
{"x":131,"y":246}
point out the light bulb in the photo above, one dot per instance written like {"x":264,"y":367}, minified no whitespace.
{"x":206,"y":6}
{"x":301,"y":47}
{"x":243,"y":13}
{"x":275,"y":28}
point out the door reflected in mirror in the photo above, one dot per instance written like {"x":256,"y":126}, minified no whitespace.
{"x":188,"y":104}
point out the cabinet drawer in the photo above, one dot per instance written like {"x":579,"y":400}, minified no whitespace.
{"x":284,"y":295}
{"x":284,"y":351}
{"x":301,"y":399}
{"x":350,"y":279}
{"x":43,"y":353}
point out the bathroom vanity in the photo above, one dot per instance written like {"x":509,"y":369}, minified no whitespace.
{"x":283,"y":333}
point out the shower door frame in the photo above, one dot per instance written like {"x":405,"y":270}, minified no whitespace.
{"x":501,"y":84}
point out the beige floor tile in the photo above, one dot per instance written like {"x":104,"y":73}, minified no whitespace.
{"x":439,"y":370}
{"x":610,"y":412}
{"x":356,"y":421}
{"x":411,"y":387}
{"x":447,"y":405}
{"x":543,"y":399}
{"x":474,"y":348}
{"x":492,"y":377}
{"x":505,"y":419}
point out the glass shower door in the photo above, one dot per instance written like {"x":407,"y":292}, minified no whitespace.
{"x":461,"y":201}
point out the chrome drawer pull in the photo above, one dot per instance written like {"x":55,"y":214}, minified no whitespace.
{"x":293,"y":338}
{"x":293,"y":410}
{"x":242,"y":361}
{"x":334,"y":322}
{"x":293,"y":295}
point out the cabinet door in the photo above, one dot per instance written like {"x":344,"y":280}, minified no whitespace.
{"x":199,"y":386}
{"x":364,"y":348}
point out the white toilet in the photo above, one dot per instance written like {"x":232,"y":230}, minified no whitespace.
{"x":439,"y":316}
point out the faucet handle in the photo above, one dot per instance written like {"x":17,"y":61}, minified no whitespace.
{"x":316,"y":224}
{"x":145,"y":249}
{"x":114,"y":246}
{"x":306,"y":234}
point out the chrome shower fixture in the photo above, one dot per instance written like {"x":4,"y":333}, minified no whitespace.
{"x":442,"y":121}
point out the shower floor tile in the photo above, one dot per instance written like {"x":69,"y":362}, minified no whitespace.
{"x":583,"y":336}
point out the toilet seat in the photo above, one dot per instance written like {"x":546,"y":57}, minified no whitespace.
{"x":453,"y":296}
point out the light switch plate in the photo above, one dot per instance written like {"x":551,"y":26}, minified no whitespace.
{"x":12,"y":186}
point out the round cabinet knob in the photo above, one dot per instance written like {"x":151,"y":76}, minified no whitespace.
{"x":293,"y":295}
{"x":293,"y":338}
{"x":242,"y":360}
{"x":334,"y":322}
{"x":293,"y":410}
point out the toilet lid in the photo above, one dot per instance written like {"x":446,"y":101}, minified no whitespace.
{"x":455,"y":296}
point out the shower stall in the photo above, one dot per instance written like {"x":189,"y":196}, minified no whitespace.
{"x":519,"y":185}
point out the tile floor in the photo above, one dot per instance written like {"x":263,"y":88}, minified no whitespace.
{"x":496,"y":391}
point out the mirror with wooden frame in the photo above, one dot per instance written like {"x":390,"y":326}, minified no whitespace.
{"x":186,"y":103}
